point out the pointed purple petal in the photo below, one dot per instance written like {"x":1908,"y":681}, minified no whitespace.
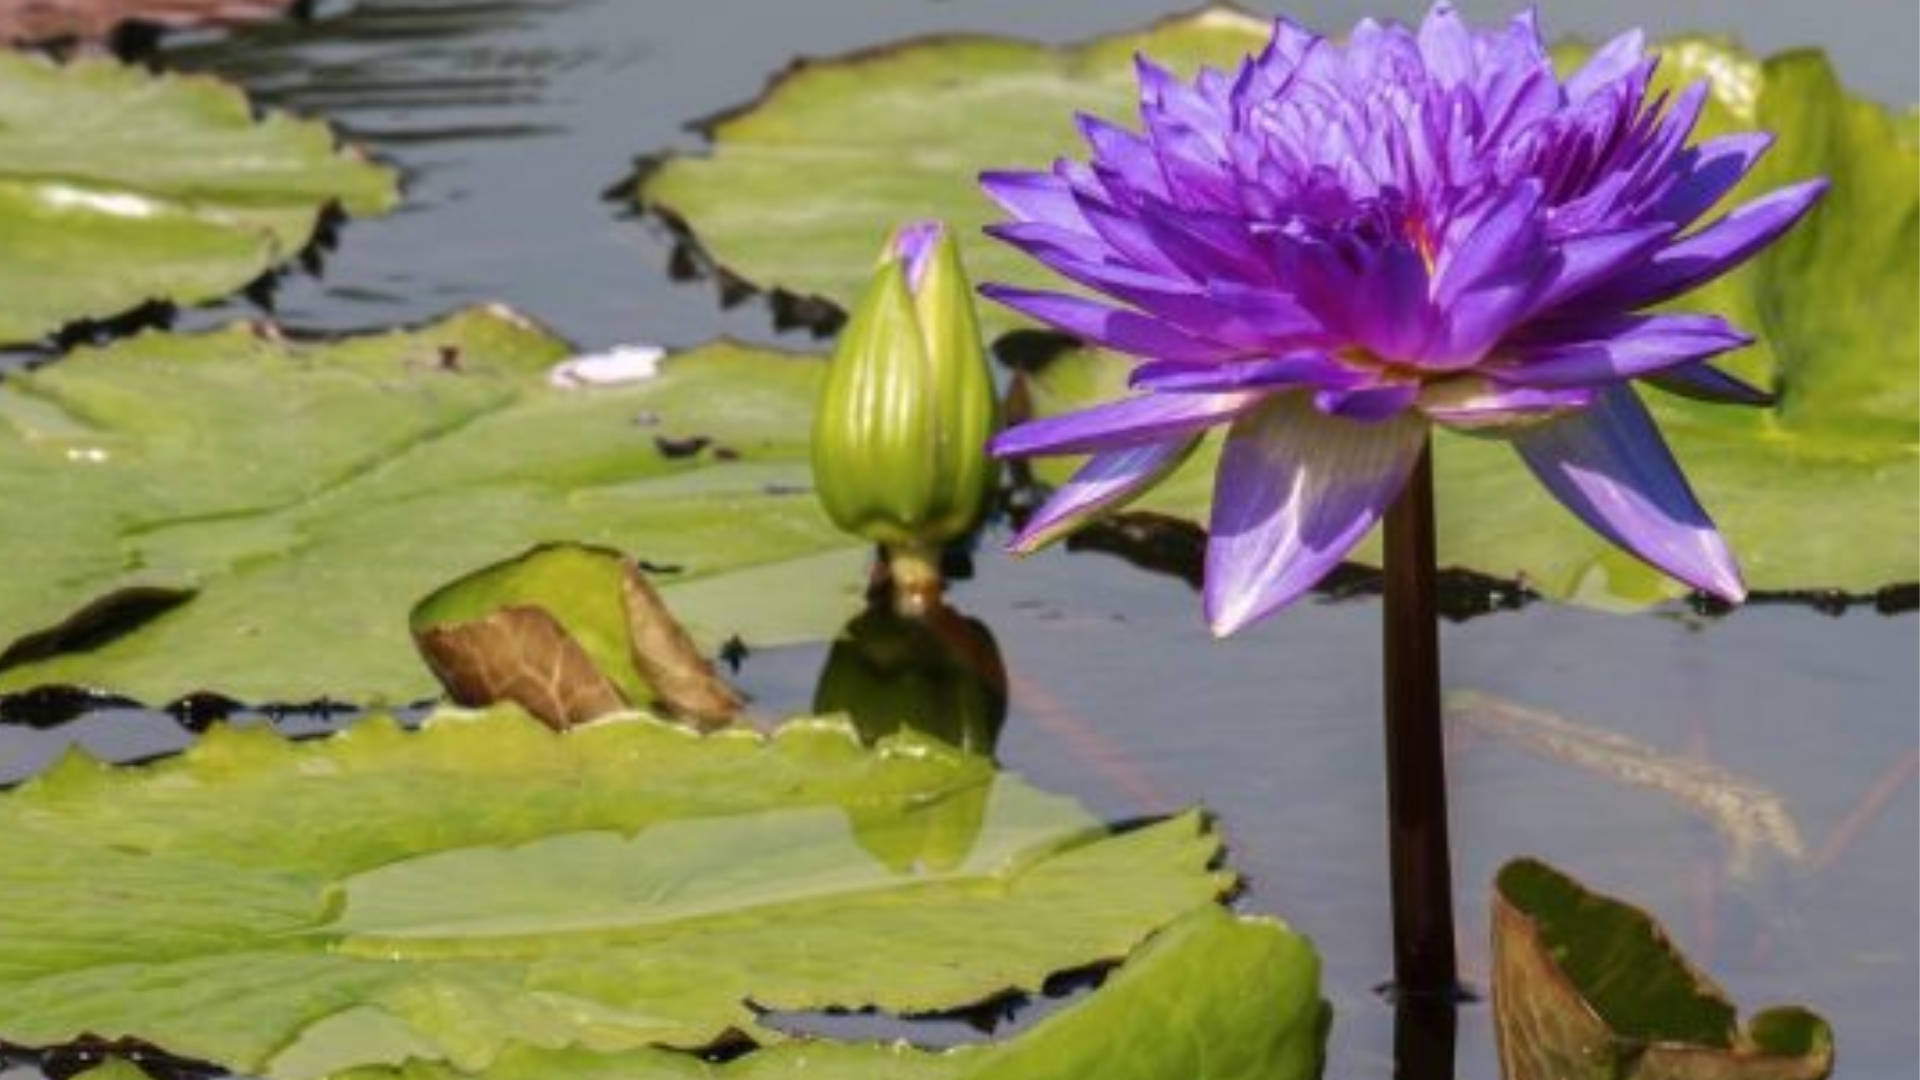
{"x":1610,"y":467}
{"x":1105,"y":483}
{"x":1612,"y":61}
{"x":1032,"y":196}
{"x":1708,"y":171}
{"x":1587,"y":261}
{"x":1116,"y":328}
{"x":1620,"y":347}
{"x":1715,"y":249}
{"x":1296,"y":491}
{"x":1446,"y":46}
{"x":1117,"y":424}
{"x":1704,"y":382}
{"x":1264,"y":372}
{"x":1490,"y":278}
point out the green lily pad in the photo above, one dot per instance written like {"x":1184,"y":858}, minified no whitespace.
{"x":800,"y":187}
{"x":119,"y":187}
{"x":1585,"y":986}
{"x":293,"y":910}
{"x":1211,"y":996}
{"x":264,"y":533}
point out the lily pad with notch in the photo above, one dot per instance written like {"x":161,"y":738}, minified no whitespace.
{"x":485,"y":896}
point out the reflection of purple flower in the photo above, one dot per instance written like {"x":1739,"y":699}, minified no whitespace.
{"x":1344,"y":242}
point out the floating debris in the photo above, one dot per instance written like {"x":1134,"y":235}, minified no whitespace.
{"x":1749,"y":816}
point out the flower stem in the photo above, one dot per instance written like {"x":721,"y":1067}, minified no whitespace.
{"x":1423,"y":952}
{"x":914,"y":570}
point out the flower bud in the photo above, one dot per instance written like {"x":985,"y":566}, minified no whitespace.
{"x":899,"y":441}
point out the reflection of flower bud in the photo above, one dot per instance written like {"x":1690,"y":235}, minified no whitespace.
{"x":899,"y":442}
{"x":939,"y":674}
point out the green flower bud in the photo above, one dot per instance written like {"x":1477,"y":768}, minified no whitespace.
{"x":899,"y":441}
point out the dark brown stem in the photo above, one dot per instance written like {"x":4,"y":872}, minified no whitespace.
{"x":1423,"y":953}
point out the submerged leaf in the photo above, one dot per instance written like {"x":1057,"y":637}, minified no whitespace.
{"x":1588,"y":988}
{"x":119,"y":188}
{"x":569,"y":633}
{"x":297,"y":909}
{"x":292,"y":500}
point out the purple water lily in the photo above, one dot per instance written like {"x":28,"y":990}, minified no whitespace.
{"x":1344,"y":243}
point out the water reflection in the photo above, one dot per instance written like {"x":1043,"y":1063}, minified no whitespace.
{"x":939,"y":674}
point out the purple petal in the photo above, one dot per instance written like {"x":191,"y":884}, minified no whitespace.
{"x":1446,"y":46}
{"x":1116,"y":328}
{"x":1127,"y":235}
{"x":1609,"y":466}
{"x":1620,"y":347}
{"x":1032,"y":196}
{"x":1587,"y":261}
{"x":1473,"y":403}
{"x":1704,"y":382}
{"x":1368,"y":404}
{"x":1296,"y":491}
{"x":914,"y":243}
{"x":1119,"y":154}
{"x":1105,"y":483}
{"x":1118,"y":424}
{"x":1611,"y":62}
{"x":1708,"y":171}
{"x":1299,"y":368}
{"x":1490,"y":277}
{"x":1713,"y":250}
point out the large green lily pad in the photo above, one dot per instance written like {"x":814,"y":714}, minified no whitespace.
{"x":800,"y":188}
{"x":119,"y":187}
{"x":293,"y":500}
{"x":1588,"y":988}
{"x":1211,"y":996}
{"x":297,"y":909}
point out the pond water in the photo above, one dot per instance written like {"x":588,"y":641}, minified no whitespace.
{"x":509,"y":120}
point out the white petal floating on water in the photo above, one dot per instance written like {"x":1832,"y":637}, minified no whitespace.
{"x":616,"y":366}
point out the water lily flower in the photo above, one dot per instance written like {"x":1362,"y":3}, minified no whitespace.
{"x":1345,"y":243}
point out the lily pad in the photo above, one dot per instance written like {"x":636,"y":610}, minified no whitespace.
{"x":1211,"y":996}
{"x":265,"y":533}
{"x":293,"y":910}
{"x":1585,"y":986}
{"x":801,"y":186}
{"x":119,"y":188}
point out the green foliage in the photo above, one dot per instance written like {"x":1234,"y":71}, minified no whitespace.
{"x":296,"y":909}
{"x":295,"y":499}
{"x":118,"y":187}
